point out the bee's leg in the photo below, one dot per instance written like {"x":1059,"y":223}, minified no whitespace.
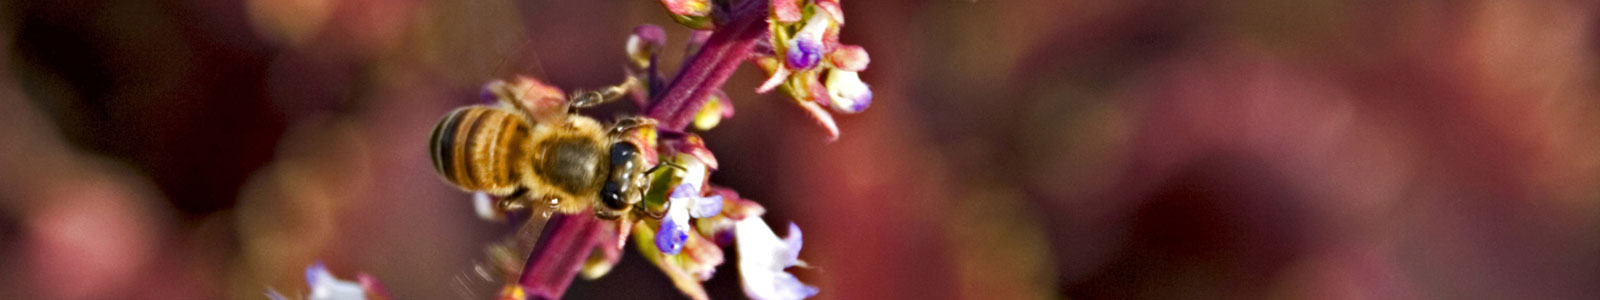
{"x":582,"y":99}
{"x":516,"y":201}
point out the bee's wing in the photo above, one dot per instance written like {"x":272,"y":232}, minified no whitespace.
{"x":528,"y":232}
{"x":542,"y":102}
{"x":504,"y":259}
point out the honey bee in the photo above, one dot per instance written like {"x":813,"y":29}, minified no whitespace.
{"x":534,"y":146}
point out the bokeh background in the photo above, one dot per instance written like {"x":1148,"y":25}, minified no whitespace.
{"x":1091,"y":149}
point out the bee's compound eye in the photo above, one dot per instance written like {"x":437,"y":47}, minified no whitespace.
{"x":622,"y":153}
{"x":618,"y":188}
{"x":611,"y":196}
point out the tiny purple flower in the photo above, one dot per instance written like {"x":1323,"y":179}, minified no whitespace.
{"x":674,"y":231}
{"x":806,"y":48}
{"x":804,"y":52}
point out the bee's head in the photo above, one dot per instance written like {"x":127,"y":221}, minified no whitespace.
{"x":626,"y":183}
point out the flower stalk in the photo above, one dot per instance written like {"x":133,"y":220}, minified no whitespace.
{"x":723,"y":52}
{"x":556,"y":258}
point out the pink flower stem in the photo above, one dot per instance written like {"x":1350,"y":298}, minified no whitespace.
{"x":567,"y":240}
{"x":723,"y":52}
{"x":560,"y":253}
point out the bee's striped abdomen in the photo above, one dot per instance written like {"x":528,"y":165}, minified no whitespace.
{"x":481,"y":148}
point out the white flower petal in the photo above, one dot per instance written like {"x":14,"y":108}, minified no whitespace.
{"x":326,"y":287}
{"x":762,"y":258}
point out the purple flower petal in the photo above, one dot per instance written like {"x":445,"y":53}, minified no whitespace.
{"x":804,"y":52}
{"x":705,"y":207}
{"x":793,"y":242}
{"x":674,"y":232}
{"x":683,"y":192}
{"x":806,"y":48}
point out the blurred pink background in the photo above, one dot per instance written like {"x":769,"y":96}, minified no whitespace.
{"x":1083,"y":149}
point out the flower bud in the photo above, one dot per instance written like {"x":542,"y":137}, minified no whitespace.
{"x":832,"y":7}
{"x":644,"y":43}
{"x":786,"y":11}
{"x":846,"y":92}
{"x":849,"y":58}
{"x":696,"y":14}
{"x":714,"y":111}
